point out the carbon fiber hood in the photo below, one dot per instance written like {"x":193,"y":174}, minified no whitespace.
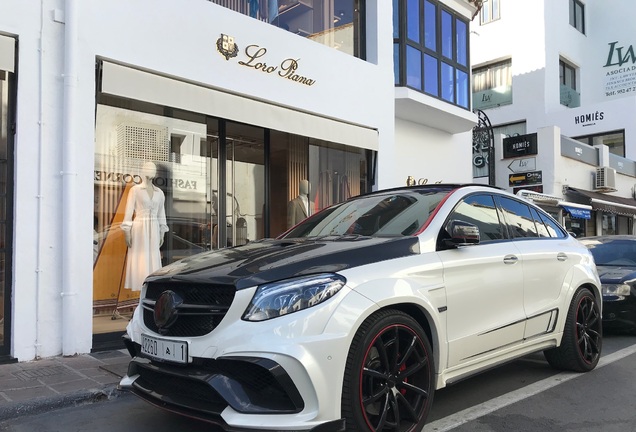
{"x":270,"y":260}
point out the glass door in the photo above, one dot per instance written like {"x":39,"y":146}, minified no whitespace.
{"x":244,"y":183}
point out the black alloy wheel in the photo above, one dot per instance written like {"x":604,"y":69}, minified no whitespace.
{"x":580,"y":348}
{"x":389,"y":375}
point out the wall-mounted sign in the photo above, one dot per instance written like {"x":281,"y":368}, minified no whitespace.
{"x":521,"y":145}
{"x":524,"y":179}
{"x":255,"y":58}
{"x":410,"y":181}
{"x":538,"y":189}
{"x":621,"y":78}
{"x":589,"y":119}
{"x":523,"y":165}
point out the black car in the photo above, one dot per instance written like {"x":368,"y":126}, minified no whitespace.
{"x":615,"y":257}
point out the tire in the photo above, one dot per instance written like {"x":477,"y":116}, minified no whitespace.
{"x":582,"y":341}
{"x":389,"y":375}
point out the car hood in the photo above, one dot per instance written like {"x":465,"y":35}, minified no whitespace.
{"x":613,"y":274}
{"x":270,"y":260}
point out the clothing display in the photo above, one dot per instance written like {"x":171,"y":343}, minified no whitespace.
{"x":146,"y":229}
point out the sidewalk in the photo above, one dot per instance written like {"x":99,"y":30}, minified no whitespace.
{"x":51,"y":383}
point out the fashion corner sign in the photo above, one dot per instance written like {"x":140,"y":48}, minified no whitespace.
{"x":256,"y":59}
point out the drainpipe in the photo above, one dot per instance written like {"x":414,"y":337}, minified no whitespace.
{"x":69,"y":179}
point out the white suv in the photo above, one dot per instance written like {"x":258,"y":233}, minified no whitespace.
{"x":353,"y":318}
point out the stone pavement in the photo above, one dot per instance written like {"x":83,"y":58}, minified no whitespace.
{"x":56,"y":382}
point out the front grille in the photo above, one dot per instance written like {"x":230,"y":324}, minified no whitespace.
{"x":203,"y":308}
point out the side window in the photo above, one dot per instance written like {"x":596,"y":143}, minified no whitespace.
{"x":519,"y":218}
{"x":480,"y":210}
{"x":541,"y":228}
{"x":553,"y":228}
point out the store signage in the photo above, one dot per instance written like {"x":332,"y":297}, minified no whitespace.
{"x":523,"y":165}
{"x":523,"y":179}
{"x":538,"y":189}
{"x":410,"y":181}
{"x":621,"y":79}
{"x":255,"y":58}
{"x":589,"y":119}
{"x":520,"y":145}
{"x":114,"y":177}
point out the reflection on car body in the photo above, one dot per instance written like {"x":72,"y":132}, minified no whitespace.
{"x":354,"y":317}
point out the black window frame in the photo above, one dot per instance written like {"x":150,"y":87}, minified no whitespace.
{"x":589,"y":140}
{"x":401,"y":42}
{"x":577,"y":20}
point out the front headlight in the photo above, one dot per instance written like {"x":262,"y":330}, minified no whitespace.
{"x":616,"y":289}
{"x":292,"y":295}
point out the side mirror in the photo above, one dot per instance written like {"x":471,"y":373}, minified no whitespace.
{"x":462,"y":233}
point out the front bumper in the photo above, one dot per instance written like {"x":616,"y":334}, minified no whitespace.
{"x":206,"y":388}
{"x":619,"y":312}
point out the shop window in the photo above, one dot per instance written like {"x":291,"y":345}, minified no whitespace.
{"x":489,"y":11}
{"x":431,"y":50}
{"x":336,"y":23}
{"x":7,"y":104}
{"x":615,"y":140}
{"x":569,"y":96}
{"x":577,"y":15}
{"x":214,"y":184}
{"x":492,"y":85}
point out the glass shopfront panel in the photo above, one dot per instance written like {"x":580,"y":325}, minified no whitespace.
{"x":7,"y":100}
{"x":170,"y":184}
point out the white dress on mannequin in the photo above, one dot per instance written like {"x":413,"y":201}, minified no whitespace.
{"x":146,"y":233}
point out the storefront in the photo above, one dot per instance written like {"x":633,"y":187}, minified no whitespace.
{"x":265,"y":168}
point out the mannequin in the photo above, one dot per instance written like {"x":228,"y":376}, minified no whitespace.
{"x":145,"y":232}
{"x":300,"y":207}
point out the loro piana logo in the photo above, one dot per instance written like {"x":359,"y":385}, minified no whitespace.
{"x":226,"y":46}
{"x":255,"y":58}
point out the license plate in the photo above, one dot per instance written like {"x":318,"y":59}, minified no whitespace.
{"x":164,"y":349}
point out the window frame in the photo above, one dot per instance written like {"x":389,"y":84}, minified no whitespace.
{"x":403,"y":44}
{"x":588,"y":139}
{"x":487,"y":12}
{"x":576,"y":21}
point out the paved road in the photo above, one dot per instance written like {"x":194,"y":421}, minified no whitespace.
{"x":523,"y":396}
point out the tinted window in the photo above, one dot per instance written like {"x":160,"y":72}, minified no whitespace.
{"x":400,"y":213}
{"x":553,"y":227}
{"x":541,"y":228}
{"x":519,"y":218}
{"x":480,"y":210}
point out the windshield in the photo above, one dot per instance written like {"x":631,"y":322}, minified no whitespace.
{"x":391,"y":214}
{"x":613,"y":252}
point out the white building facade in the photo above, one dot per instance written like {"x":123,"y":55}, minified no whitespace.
{"x":557,"y":80}
{"x":234,"y":103}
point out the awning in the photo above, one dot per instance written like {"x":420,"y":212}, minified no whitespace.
{"x":577,"y":212}
{"x":7,"y":53}
{"x":132,"y":83}
{"x":607,"y":203}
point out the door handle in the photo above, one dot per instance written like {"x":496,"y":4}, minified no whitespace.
{"x":561,"y":256}
{"x":510,"y":259}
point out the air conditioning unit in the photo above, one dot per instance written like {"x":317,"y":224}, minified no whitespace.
{"x":605,"y":179}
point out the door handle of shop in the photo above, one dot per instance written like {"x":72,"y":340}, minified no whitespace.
{"x":562,"y":256}
{"x":510,"y":259}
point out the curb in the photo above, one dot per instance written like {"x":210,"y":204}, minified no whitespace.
{"x":44,"y":404}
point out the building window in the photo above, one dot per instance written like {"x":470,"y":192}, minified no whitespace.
{"x":489,"y":11}
{"x":336,"y":23}
{"x":568,"y":87}
{"x":615,"y":140}
{"x":577,"y":15}
{"x":492,"y":85}
{"x":430,"y":45}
